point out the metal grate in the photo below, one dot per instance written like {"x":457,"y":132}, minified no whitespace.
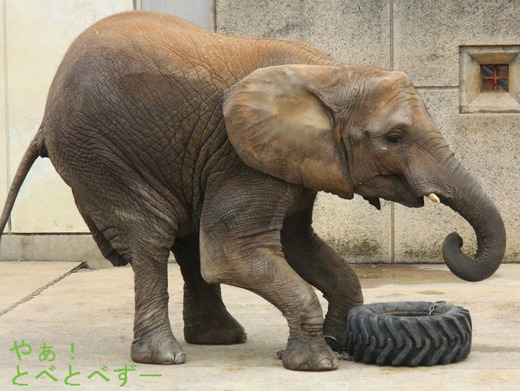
{"x":494,"y":77}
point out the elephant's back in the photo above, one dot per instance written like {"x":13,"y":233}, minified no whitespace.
{"x":148,"y":42}
{"x":169,"y":45}
{"x":144,"y":62}
{"x":129,"y":99}
{"x":161,"y":60}
{"x":145,"y":90}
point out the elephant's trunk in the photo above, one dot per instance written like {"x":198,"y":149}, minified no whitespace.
{"x":465,"y":196}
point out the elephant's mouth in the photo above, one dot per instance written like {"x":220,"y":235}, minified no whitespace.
{"x":407,"y":195}
{"x":414,"y":202}
{"x":397,"y":189}
{"x":409,"y":200}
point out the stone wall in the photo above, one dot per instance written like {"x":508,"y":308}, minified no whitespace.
{"x":421,"y":38}
{"x":34,"y":37}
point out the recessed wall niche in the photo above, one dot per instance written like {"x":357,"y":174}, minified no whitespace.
{"x":490,"y":79}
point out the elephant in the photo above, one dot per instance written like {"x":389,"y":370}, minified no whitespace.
{"x":177,"y":139}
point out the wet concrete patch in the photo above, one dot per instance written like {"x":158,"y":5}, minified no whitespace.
{"x":431,"y":292}
{"x":495,"y":349}
{"x":377,"y":275}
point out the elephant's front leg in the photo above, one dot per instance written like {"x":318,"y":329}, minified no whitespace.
{"x":323,"y":268}
{"x":240,"y":246}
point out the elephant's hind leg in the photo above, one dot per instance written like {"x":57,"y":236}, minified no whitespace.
{"x":206,"y":320}
{"x":103,"y":244}
{"x":138,"y":238}
{"x":154,"y":342}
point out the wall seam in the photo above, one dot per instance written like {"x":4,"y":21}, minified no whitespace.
{"x":392,"y":204}
{"x":437,"y":88}
{"x":213,"y":10}
{"x":6,"y":107}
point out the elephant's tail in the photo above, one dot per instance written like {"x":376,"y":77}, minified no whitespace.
{"x":36,"y":148}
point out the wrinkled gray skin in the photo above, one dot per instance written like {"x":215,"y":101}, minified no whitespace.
{"x":175,"y":139}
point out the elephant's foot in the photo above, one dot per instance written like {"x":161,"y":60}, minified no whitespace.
{"x":335,"y":333}
{"x":309,"y":355}
{"x":164,"y":350}
{"x":220,"y":329}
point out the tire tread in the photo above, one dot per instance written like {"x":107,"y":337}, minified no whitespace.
{"x":376,"y":338}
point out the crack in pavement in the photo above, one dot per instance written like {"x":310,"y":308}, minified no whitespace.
{"x":31,"y":295}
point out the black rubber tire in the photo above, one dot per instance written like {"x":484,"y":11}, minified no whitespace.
{"x":401,"y":334}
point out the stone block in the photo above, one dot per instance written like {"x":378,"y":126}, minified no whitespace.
{"x":486,"y":145}
{"x":354,"y":228}
{"x":428,"y":33}
{"x":50,"y":248}
{"x":38,"y":34}
{"x":3,"y":127}
{"x":54,"y":247}
{"x":45,"y":203}
{"x":198,"y":12}
{"x":350,"y":31}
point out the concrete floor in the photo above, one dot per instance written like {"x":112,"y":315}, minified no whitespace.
{"x":93,"y":309}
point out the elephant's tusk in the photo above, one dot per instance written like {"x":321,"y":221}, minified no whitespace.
{"x":433,"y":198}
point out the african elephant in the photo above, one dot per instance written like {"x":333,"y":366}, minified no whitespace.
{"x":174,"y":138}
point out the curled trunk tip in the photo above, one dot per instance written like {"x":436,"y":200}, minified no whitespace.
{"x":481,"y":267}
{"x":469,"y":200}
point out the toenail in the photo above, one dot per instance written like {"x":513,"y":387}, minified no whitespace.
{"x":181,"y":359}
{"x":167,"y":360}
{"x":325,"y":363}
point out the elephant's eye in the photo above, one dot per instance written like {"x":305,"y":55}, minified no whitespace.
{"x":394,"y":137}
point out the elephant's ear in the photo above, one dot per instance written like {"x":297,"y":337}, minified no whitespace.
{"x":279,"y":123}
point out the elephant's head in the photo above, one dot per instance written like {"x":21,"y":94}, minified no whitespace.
{"x":348,"y":129}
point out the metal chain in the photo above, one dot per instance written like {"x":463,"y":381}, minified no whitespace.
{"x":432,"y":308}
